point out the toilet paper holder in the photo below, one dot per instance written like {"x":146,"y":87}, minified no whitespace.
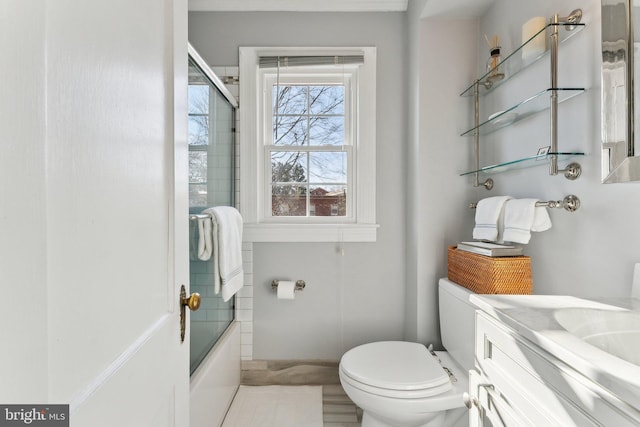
{"x":300,"y":284}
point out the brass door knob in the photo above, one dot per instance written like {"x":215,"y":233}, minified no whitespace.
{"x":193,"y":302}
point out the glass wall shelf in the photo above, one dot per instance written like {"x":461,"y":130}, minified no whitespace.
{"x":530,"y":106}
{"x":527,"y":162}
{"x":514,"y":63}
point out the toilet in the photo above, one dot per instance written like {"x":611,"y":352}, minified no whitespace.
{"x":402,"y":384}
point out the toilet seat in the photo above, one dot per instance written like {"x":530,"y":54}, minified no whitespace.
{"x":394,"y":369}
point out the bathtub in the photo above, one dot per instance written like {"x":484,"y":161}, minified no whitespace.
{"x":215,"y":382}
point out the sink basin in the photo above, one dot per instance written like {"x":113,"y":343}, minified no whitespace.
{"x":615,"y":331}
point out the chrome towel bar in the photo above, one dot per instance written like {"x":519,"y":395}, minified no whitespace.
{"x":570,"y":203}
{"x":194,"y":217}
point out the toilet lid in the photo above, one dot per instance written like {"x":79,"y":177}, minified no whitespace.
{"x":395,"y":365}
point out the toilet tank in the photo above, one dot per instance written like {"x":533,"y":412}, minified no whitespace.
{"x":457,"y":322}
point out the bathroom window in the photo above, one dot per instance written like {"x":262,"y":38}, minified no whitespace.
{"x":309,"y":149}
{"x":308,"y":144}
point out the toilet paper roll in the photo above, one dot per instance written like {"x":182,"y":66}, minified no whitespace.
{"x":538,"y":45}
{"x":286,"y":289}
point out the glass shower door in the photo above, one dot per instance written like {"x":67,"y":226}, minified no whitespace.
{"x":211,"y":183}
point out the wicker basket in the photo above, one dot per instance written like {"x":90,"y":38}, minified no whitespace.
{"x":490,"y":275}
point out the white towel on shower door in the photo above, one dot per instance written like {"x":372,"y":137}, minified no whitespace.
{"x":227,"y":250}
{"x":205,"y":242}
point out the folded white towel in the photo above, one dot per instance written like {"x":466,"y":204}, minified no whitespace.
{"x":488,"y":212}
{"x":541,"y":220}
{"x":521,"y":217}
{"x":227,"y":250}
{"x":194,"y":239}
{"x":205,"y":243}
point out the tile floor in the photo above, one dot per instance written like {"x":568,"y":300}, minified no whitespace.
{"x":293,"y":406}
{"x":277,"y":406}
{"x":337,"y":409}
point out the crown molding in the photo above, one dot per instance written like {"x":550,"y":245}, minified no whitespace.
{"x":298,"y":5}
{"x":455,"y":9}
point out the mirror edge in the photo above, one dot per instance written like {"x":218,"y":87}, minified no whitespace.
{"x":619,"y":163}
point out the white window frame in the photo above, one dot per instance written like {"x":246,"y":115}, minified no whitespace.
{"x":311,"y":76}
{"x":360,"y":224}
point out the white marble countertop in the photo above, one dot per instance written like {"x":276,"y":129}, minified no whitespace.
{"x":533,"y":316}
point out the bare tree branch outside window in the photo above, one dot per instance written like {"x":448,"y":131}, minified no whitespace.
{"x":308,"y":182}
{"x":198,"y":142}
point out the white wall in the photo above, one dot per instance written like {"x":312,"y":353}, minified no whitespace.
{"x":412,"y":84}
{"x":436,"y":214}
{"x":587,"y":253}
{"x":445,"y":59}
{"x":590,"y":252}
{"x":359,"y":296}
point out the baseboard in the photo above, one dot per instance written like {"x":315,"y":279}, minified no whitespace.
{"x":289,"y":372}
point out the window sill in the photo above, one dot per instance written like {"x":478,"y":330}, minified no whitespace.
{"x":309,"y":233}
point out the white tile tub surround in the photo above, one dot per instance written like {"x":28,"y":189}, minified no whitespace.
{"x":215,"y":381}
{"x":244,"y":298}
{"x":229,"y":75}
{"x":244,"y":304}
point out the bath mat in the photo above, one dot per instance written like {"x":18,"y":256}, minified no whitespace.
{"x":276,"y":406}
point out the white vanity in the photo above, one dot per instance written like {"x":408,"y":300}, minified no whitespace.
{"x":555,"y":361}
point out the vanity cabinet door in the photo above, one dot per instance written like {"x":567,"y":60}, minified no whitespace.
{"x":539,"y":387}
{"x":489,"y":408}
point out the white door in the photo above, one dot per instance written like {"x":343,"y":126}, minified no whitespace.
{"x":93,"y":208}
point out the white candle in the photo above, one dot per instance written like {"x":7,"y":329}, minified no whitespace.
{"x":538,"y":45}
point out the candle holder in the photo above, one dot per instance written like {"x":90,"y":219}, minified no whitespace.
{"x":493,"y":65}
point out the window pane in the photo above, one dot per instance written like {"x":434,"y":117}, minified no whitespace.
{"x":290,"y":130}
{"x":327,"y":131}
{"x":328,"y":200}
{"x":308,"y":116}
{"x":198,"y":99}
{"x":198,"y":130}
{"x":328,"y":167}
{"x":197,"y":167}
{"x":326,"y":100}
{"x":198,"y":195}
{"x":287,"y":166}
{"x":288,"y":200}
{"x":289,"y":100}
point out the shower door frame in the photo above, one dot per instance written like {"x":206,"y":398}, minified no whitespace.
{"x":219,"y":86}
